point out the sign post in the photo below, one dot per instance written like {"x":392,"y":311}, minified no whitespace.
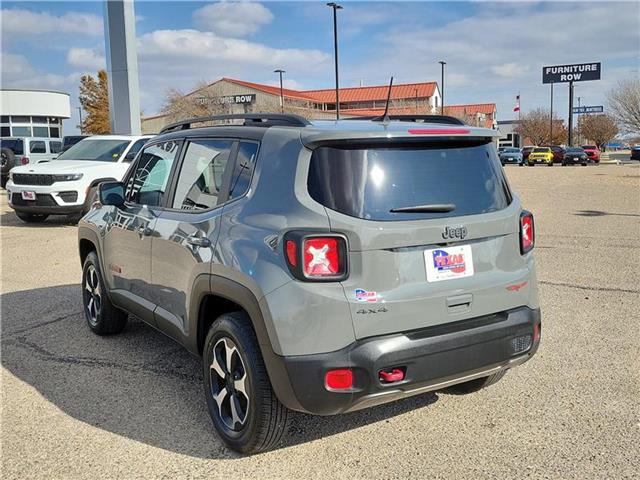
{"x":577,"y":72}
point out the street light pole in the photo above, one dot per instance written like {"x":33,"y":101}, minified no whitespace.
{"x":80,"y":117}
{"x":280,"y":72}
{"x":335,"y":8}
{"x":442,"y":64}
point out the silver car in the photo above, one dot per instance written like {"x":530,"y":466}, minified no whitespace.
{"x":511,"y":155}
{"x":321,"y":266}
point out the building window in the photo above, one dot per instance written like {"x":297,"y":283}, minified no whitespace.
{"x":39,"y":120}
{"x":40,"y":131}
{"x":54,"y":120}
{"x":54,"y":132}
{"x":17,"y":119}
{"x":21,"y":131}
{"x":5,"y":131}
{"x":4,"y":119}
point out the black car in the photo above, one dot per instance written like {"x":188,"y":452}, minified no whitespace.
{"x":635,"y":153}
{"x":575,"y":155}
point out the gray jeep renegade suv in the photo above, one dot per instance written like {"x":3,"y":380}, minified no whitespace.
{"x":320,"y":266}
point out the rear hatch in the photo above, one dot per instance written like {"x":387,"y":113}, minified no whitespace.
{"x":450,"y":259}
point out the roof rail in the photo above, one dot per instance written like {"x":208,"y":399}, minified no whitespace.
{"x":250,"y":120}
{"x":445,"y":119}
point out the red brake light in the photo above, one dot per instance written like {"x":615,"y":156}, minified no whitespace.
{"x":438,"y":131}
{"x":292,"y":253}
{"x":340,"y":379}
{"x":527,"y":232}
{"x":321,"y":257}
{"x":24,"y":160}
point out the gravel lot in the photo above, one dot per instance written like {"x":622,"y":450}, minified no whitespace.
{"x":78,"y":406}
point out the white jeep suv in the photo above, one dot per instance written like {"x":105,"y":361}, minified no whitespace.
{"x":68,"y":184}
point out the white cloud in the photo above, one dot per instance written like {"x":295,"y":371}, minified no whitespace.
{"x":86,"y":58}
{"x":17,"y":22}
{"x":182,"y":58}
{"x":501,"y":49}
{"x":17,"y":72}
{"x":233,"y":19}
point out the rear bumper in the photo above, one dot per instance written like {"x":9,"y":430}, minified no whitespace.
{"x":433,"y":358}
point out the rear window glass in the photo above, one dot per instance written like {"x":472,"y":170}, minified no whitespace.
{"x":368,"y":183}
{"x":540,"y":150}
{"x":17,"y":145}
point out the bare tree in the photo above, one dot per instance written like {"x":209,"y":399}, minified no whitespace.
{"x":598,"y":128}
{"x":535,"y":126}
{"x":199,"y":103}
{"x":624,"y":104}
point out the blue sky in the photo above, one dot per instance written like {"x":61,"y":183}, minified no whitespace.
{"x":493,"y":50}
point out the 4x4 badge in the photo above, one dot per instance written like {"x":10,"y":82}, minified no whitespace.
{"x":451,"y":233}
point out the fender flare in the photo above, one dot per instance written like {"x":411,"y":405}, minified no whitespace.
{"x":242,"y":296}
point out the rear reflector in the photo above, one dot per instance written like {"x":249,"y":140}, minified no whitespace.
{"x":438,"y":131}
{"x":527,"y":232}
{"x":24,"y":160}
{"x":292,"y":253}
{"x":341,"y":379}
{"x":536,"y":332}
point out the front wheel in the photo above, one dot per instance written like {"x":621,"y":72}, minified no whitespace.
{"x":245,"y":411}
{"x":32,"y":217}
{"x":102,"y":316}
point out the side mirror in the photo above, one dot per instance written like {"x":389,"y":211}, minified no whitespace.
{"x":129,"y":157}
{"x":111,"y":193}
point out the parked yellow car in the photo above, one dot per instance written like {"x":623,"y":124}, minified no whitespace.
{"x":540,"y":155}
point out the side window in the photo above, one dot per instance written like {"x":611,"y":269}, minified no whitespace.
{"x":245,"y":164}
{"x":135,"y":148}
{"x":200,"y":179}
{"x":55,"y":147}
{"x":37,"y":147}
{"x":148,"y":183}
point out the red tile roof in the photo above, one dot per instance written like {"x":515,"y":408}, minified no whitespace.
{"x":367,"y":94}
{"x":471,"y":109}
{"x":287,"y":92}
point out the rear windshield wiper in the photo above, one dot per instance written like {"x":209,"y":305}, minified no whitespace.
{"x":432,"y":208}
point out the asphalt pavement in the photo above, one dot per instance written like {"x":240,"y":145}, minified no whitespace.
{"x":75,"y":405}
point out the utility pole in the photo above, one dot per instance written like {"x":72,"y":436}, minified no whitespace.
{"x":280,"y":72}
{"x":570,"y":114}
{"x":442,"y":64}
{"x":335,"y":8}
{"x":551,"y":118}
{"x":80,"y":117}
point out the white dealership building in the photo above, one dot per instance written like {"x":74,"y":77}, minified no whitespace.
{"x":33,"y":113}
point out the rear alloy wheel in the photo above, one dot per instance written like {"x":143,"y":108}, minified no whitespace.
{"x":245,"y":411}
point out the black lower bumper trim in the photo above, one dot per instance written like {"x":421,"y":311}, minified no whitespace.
{"x":431,"y":362}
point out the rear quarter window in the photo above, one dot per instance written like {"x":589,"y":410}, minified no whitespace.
{"x":368,"y":183}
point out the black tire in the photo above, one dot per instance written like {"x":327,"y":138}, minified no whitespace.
{"x":550,"y":164}
{"x":3,"y":181}
{"x":584,"y":164}
{"x":521,"y":164}
{"x":264,"y":419}
{"x":32,"y":217}
{"x":475,"y":385}
{"x":7,"y":160}
{"x":530,"y":164}
{"x":103,"y":317}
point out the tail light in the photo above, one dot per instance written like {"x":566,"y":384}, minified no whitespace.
{"x":527,"y":232}
{"x":340,"y":379}
{"x":316,"y":256}
{"x":24,"y":160}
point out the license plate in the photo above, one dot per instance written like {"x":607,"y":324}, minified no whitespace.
{"x":28,"y":195}
{"x":447,"y":263}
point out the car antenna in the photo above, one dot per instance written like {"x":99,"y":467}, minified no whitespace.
{"x":385,"y":117}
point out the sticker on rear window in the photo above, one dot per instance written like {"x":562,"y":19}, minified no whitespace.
{"x":448,"y":263}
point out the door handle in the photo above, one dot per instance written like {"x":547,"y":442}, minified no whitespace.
{"x":198,"y":241}
{"x":144,"y":231}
